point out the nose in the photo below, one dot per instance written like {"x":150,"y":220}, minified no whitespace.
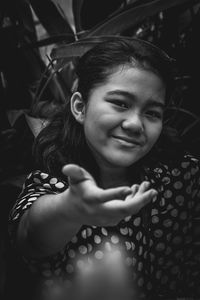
{"x":134,"y":123}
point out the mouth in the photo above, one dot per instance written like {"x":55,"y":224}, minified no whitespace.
{"x":127,"y":141}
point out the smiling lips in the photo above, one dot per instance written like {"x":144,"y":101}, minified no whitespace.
{"x":126,"y":141}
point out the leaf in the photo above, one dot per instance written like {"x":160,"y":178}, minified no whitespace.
{"x":65,"y":9}
{"x":54,"y":39}
{"x":184,"y":111}
{"x":131,"y":17}
{"x":15,"y":180}
{"x":35,"y":124}
{"x":191,"y":126}
{"x":92,"y":12}
{"x":78,"y":48}
{"x":76,"y":8}
{"x":13,"y":115}
{"x":51,"y":18}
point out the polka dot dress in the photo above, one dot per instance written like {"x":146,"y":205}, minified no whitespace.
{"x":159,"y":247}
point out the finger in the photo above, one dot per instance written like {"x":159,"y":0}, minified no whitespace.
{"x":119,"y":193}
{"x":135,"y":204}
{"x":76,"y":174}
{"x":144,"y":186}
{"x":132,"y":204}
{"x":134,"y":188}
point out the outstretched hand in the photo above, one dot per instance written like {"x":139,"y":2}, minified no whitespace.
{"x":93,"y":205}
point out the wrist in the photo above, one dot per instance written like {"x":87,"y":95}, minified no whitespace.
{"x":68,"y":209}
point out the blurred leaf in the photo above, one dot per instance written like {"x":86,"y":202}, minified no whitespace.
{"x":17,"y":31}
{"x":15,"y":181}
{"x":183,"y":120}
{"x":76,"y":7}
{"x":13,"y":115}
{"x":189,"y":128}
{"x":89,"y":12}
{"x":35,"y":124}
{"x":78,"y":48}
{"x":60,"y":82}
{"x":56,"y":39}
{"x":131,"y":17}
{"x":93,"y":12}
{"x":51,"y":18}
{"x":65,"y":9}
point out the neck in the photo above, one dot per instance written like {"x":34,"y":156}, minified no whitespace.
{"x":109,"y":176}
{"x":113,"y":177}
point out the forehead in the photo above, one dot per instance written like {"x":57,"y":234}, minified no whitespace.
{"x":135,"y":69}
{"x":134,"y":80}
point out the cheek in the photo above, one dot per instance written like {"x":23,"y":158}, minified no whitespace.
{"x":153,"y":132}
{"x":93,"y":129}
{"x":101,"y":122}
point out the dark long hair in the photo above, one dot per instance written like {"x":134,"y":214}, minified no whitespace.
{"x":63,"y":141}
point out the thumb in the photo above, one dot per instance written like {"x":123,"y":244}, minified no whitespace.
{"x":76,"y":174}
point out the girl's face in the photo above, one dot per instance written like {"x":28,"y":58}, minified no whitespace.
{"x":123,"y":118}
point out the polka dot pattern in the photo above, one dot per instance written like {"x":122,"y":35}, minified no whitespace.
{"x":159,"y":245}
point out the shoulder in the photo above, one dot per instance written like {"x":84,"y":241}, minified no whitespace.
{"x":178,"y":182}
{"x":37,"y":184}
{"x":186,"y":163}
{"x":40,"y":179}
{"x":180,"y":174}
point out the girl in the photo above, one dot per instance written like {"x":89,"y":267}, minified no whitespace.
{"x":110,"y":180}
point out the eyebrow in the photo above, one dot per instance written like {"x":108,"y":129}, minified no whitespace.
{"x":151,"y":102}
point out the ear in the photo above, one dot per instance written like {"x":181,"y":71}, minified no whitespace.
{"x":78,"y":107}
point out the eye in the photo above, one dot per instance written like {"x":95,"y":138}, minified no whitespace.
{"x":152,"y":114}
{"x":119,"y":103}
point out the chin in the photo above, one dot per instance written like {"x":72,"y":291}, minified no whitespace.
{"x":123,"y":162}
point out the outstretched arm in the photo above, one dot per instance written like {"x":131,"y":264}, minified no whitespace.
{"x":54,"y":219}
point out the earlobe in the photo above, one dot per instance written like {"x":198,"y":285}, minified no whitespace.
{"x":78,"y":107}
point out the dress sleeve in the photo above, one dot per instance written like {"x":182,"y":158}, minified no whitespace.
{"x":37,"y":184}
